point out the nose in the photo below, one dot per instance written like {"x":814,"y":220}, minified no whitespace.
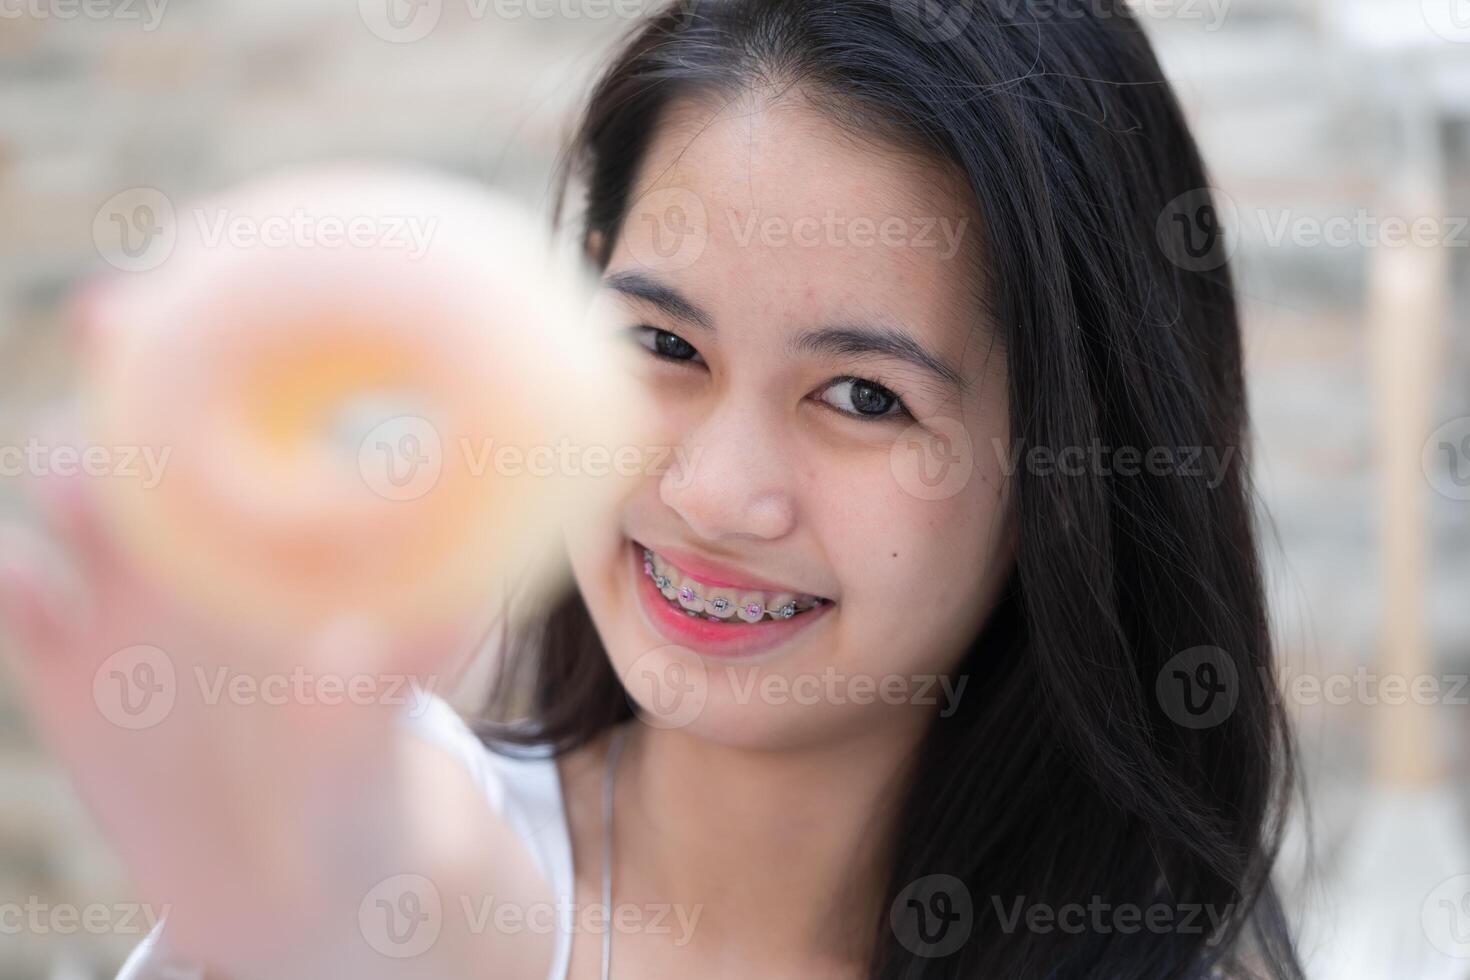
{"x":731,"y":478}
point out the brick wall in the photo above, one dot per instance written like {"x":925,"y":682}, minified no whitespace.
{"x":1291,"y":114}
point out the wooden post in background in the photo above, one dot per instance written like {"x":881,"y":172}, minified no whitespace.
{"x":1407,"y":288}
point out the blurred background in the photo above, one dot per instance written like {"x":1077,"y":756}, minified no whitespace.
{"x":1338,"y":140}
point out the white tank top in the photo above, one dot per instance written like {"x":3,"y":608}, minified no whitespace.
{"x":526,"y":792}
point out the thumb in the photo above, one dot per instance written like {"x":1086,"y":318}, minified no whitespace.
{"x":44,"y":601}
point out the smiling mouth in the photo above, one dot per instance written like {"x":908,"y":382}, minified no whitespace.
{"x":723,"y":604}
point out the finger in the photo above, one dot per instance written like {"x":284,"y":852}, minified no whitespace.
{"x":438,"y":656}
{"x":349,"y":665}
{"x":66,"y":500}
{"x":41,"y":594}
{"x":83,"y":308}
{"x":22,"y":610}
{"x":41,"y":598}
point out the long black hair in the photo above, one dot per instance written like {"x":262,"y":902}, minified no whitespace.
{"x":1080,"y":777}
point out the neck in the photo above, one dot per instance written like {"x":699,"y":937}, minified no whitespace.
{"x":787,"y":844}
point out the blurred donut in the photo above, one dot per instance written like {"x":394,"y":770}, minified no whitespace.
{"x":342,"y":391}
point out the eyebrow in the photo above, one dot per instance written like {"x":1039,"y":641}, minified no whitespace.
{"x":857,"y":339}
{"x":841,"y":340}
{"x":666,"y":298}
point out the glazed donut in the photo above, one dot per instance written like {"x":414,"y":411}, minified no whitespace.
{"x":336,"y":410}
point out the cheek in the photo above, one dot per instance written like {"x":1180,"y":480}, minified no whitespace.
{"x":918,"y":582}
{"x":605,"y":573}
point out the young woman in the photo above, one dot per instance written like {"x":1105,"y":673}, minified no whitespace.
{"x":936,"y":651}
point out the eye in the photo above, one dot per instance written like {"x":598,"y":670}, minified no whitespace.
{"x":863,"y":399}
{"x":662,"y":343}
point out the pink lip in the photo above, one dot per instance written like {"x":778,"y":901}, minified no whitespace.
{"x":720,"y":576}
{"x":713,"y":639}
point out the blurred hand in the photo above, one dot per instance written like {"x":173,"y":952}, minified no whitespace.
{"x":255,"y":785}
{"x":220,"y":660}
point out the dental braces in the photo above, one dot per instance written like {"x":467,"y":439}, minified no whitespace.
{"x":718,"y":603}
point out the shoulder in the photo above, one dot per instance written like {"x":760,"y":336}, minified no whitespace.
{"x":525,"y":784}
{"x":525,"y":787}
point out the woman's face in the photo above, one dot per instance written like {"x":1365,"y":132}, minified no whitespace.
{"x":833,"y":405}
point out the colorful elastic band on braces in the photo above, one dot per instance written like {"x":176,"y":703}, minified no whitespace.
{"x":719,"y":603}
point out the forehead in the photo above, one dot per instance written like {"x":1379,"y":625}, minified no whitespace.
{"x":765,"y":209}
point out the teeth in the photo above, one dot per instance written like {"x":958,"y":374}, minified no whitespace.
{"x":688,"y":596}
{"x":751,"y":609}
{"x":719,"y":604}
